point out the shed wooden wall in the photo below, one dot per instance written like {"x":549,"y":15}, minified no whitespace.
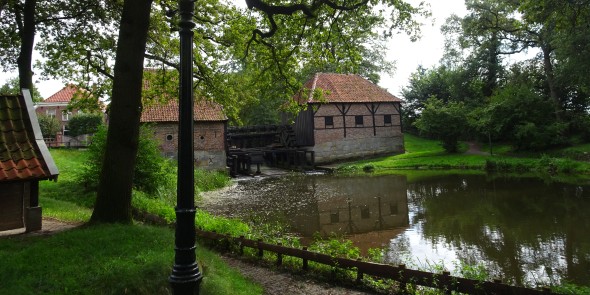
{"x":13,"y":196}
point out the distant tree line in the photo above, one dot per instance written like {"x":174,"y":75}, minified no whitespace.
{"x":476,"y":93}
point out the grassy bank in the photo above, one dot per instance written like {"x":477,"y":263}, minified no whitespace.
{"x":424,"y":154}
{"x":106,"y":259}
{"x":109,"y":259}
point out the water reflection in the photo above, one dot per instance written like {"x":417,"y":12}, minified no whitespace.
{"x":371,"y":208}
{"x":523,"y":230}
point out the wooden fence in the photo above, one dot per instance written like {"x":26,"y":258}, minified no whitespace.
{"x":401,"y":274}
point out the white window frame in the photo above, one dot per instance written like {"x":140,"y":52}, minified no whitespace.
{"x":65,"y":115}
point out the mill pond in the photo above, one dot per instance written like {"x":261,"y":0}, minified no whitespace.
{"x":522,"y":230}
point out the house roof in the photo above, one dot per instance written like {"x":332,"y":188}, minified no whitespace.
{"x":203,"y":111}
{"x":23,"y":153}
{"x":64,"y":95}
{"x":347,"y":88}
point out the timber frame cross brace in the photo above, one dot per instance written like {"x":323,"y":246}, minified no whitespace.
{"x":373,"y":110}
{"x":343,"y":111}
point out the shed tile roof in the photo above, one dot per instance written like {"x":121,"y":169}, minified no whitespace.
{"x":346,"y":88}
{"x":203,"y":111}
{"x":23,"y":154}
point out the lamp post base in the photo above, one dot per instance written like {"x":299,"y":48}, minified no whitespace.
{"x":185,"y":279}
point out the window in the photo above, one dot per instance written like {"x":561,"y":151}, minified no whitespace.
{"x":387,"y":119}
{"x":169,"y":137}
{"x":334,"y":217}
{"x":358,"y":120}
{"x":65,"y":115}
{"x":393,"y":209}
{"x":365,"y":213}
{"x":329,"y":121}
{"x":50,"y":113}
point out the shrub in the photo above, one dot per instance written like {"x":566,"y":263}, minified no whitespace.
{"x":152,"y":171}
{"x":49,"y":126}
{"x":368,"y":168}
{"x":84,"y":124}
{"x":445,"y":121}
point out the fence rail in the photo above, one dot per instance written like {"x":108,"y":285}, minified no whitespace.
{"x":401,"y":274}
{"x":53,"y":143}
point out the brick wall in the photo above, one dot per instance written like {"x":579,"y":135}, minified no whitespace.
{"x":209,"y":143}
{"x":346,"y":139}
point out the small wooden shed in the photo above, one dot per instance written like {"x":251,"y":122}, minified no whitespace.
{"x":24,"y":161}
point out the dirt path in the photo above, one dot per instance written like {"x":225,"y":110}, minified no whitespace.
{"x":475,"y":149}
{"x":49,"y":226}
{"x":286,"y":283}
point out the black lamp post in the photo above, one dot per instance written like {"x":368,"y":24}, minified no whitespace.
{"x":185,"y":277}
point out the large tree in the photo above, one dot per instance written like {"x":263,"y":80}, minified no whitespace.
{"x":22,"y":20}
{"x":113,"y":200}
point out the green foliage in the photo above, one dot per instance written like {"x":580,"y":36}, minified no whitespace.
{"x":210,"y":180}
{"x":446,"y":122}
{"x":229,"y":226}
{"x":151,"y":172}
{"x":12,"y":87}
{"x":544,"y":165}
{"x":570,"y":289}
{"x":445,"y":83}
{"x":518,"y":114}
{"x":49,"y":126}
{"x":84,"y":124}
{"x":336,"y":247}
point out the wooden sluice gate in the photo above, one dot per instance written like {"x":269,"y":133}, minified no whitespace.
{"x":242,"y":161}
{"x":270,"y":145}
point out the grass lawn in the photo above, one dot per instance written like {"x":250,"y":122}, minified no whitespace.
{"x":425,"y":154}
{"x":107,"y":259}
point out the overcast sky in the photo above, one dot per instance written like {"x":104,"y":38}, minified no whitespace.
{"x":426,"y":52}
{"x":408,"y":55}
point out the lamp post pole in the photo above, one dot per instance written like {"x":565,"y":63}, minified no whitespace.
{"x":185,"y":277}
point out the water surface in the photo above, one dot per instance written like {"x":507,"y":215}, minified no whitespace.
{"x":524,"y":231}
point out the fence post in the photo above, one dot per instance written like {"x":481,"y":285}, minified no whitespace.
{"x":260,"y":251}
{"x":305,"y":260}
{"x":279,"y":256}
{"x":446,"y":282}
{"x":359,"y":273}
{"x":402,"y":281}
{"x":241,"y":245}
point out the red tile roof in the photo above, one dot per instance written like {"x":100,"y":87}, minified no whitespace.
{"x":64,"y":95}
{"x":203,"y":111}
{"x":345,"y":88}
{"x":23,"y":154}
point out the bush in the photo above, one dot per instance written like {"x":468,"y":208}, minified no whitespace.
{"x":49,"y":126}
{"x":445,"y":121}
{"x":84,"y":124}
{"x":152,"y":171}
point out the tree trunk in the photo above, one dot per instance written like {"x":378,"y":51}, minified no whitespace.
{"x":27,"y":37}
{"x":113,"y":200}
